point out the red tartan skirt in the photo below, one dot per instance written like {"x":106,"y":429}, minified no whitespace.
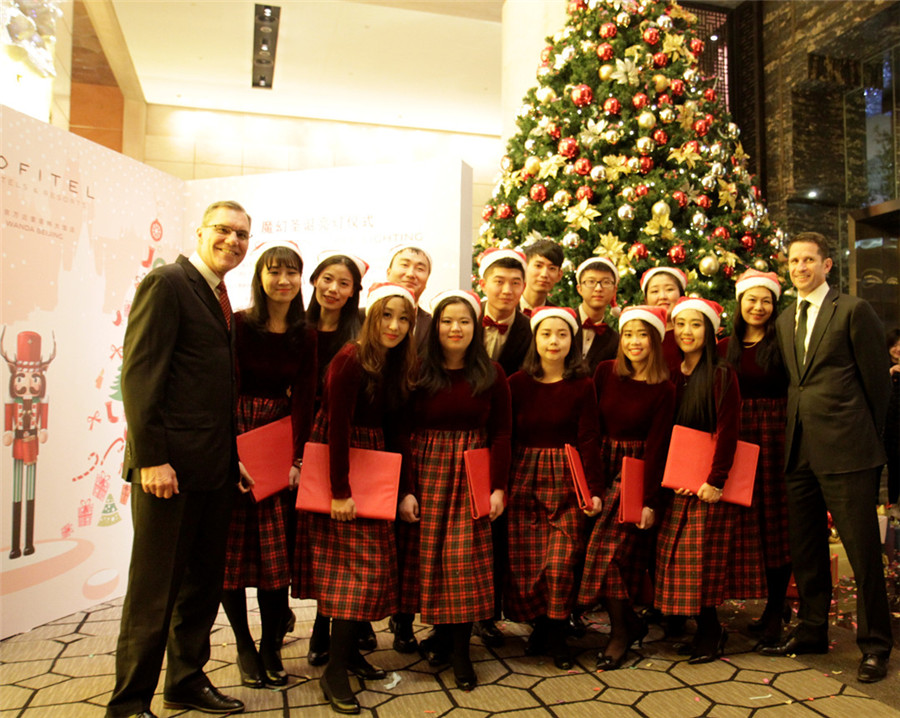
{"x":260,"y":536}
{"x":351,"y":566}
{"x":617,"y":554}
{"x":546,"y":536}
{"x":692,"y":555}
{"x":454,"y":558}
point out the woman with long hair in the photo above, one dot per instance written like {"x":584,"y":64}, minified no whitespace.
{"x":761,"y":530}
{"x":553,"y":404}
{"x":636,"y":402}
{"x":275,"y":358}
{"x":461,"y":403}
{"x":352,"y":561}
{"x":334,"y":312}
{"x":663,"y":287}
{"x":695,"y":534}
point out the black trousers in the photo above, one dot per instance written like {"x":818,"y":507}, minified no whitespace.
{"x":174,"y":588}
{"x":851,"y":498}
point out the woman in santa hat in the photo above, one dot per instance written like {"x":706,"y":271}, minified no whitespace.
{"x":663,"y":287}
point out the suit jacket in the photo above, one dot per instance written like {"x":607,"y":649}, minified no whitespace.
{"x":516,"y":345}
{"x":840,"y":395}
{"x":422,"y":328}
{"x":178,"y":383}
{"x":604,"y":347}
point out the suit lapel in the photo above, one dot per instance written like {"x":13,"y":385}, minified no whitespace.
{"x":826,"y":312}
{"x":202,"y":290}
{"x":790,"y":330}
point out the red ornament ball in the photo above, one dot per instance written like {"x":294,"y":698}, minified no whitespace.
{"x":701,"y":127}
{"x":646,"y":164}
{"x":584,"y":192}
{"x":660,"y":59}
{"x":677,"y":254}
{"x":538,"y":192}
{"x":568,"y":147}
{"x":487,"y":212}
{"x":639,"y":101}
{"x":709,"y":94}
{"x":651,"y":36}
{"x":553,"y":130}
{"x":680,"y":197}
{"x":660,"y":137}
{"x":605,"y":51}
{"x":504,"y":211}
{"x":728,"y":271}
{"x":703,"y":201}
{"x":612,"y":106}
{"x":583,"y":166}
{"x":575,"y":5}
{"x":641,"y":190}
{"x":709,"y":118}
{"x":693,"y":147}
{"x":677,"y":86}
{"x":748,"y":243}
{"x":639,"y":250}
{"x":608,"y":30}
{"x":582,"y":95}
{"x":721,"y":233}
{"x":663,"y":100}
{"x":696,"y":46}
{"x":754,"y":190}
{"x":547,"y":53}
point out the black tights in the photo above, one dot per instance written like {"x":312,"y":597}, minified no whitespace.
{"x":273,"y":606}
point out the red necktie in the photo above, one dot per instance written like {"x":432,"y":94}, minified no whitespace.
{"x":224,"y":303}
{"x":598,"y":328}
{"x":527,"y":312}
{"x":488,"y":322}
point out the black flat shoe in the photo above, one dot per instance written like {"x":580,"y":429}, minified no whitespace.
{"x":563,"y":661}
{"x":717,"y":652}
{"x":319,"y":642}
{"x":361,"y":668}
{"x":348,"y":705}
{"x":609,"y":663}
{"x":465,"y":681}
{"x":435,"y":654}
{"x":576,"y":626}
{"x":315,"y":658}
{"x":366,"y":640}
{"x":404,"y":639}
{"x":251,"y":669}
{"x":275,"y":673}
{"x":489,"y":633}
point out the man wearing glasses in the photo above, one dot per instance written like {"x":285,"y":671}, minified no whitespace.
{"x":178,"y":391}
{"x":597,"y":279}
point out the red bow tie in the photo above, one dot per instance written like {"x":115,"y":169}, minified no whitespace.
{"x":488,"y":322}
{"x":599,"y":328}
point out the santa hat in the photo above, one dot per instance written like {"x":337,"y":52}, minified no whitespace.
{"x":754,"y":278}
{"x":677,"y":274}
{"x":264,"y":247}
{"x":469,"y":297}
{"x":494,"y":254}
{"x":396,"y":249}
{"x":654,"y":316}
{"x":605,"y":261}
{"x":707,"y":307}
{"x":361,"y":264}
{"x":567,"y":315}
{"x":381,"y":290}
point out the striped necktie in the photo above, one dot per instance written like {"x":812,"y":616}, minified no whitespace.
{"x":224,"y":303}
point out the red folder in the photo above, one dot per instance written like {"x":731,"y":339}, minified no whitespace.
{"x":478,"y":477}
{"x":582,"y":490}
{"x":374,"y":481}
{"x":690,"y":459}
{"x":631,"y":491}
{"x":267,"y":453}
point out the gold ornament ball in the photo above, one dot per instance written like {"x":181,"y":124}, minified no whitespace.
{"x":611,"y":136}
{"x":598,"y":173}
{"x":506,"y":163}
{"x":646,"y":120}
{"x":698,"y":221}
{"x":645,"y":145}
{"x":761,"y":265}
{"x":628,"y":194}
{"x":709,"y":265}
{"x":660,"y":209}
{"x":605,"y":72}
{"x":532,"y":165}
{"x":561,"y":198}
{"x":691,"y":75}
{"x":660,"y":82}
{"x":667,"y":115}
{"x":623,"y":19}
{"x":549,"y":206}
{"x":625,"y":212}
{"x":664,"y":22}
{"x":521,"y":219}
{"x":521,"y":203}
{"x":634,"y":164}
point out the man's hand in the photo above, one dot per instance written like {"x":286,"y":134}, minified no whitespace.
{"x":159,"y":481}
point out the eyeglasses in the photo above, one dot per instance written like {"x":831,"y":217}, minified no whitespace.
{"x":604,"y":283}
{"x":223,"y":230}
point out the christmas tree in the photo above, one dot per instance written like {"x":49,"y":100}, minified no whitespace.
{"x":625,"y":151}
{"x":110,"y":513}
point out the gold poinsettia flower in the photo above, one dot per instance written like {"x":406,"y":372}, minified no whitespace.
{"x":661,"y":226}
{"x":676,"y":11}
{"x":673,"y":46}
{"x":686,"y":118}
{"x":551,"y":166}
{"x":579,"y":216}
{"x":616,"y":165}
{"x":590,"y":135}
{"x":739,"y":155}
{"x":730,"y":258}
{"x":727,"y":193}
{"x":683,"y":155}
{"x":626,"y":72}
{"x":610,"y":246}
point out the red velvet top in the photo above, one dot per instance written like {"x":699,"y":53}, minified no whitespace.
{"x":456,"y":409}
{"x":728,"y":421}
{"x":269,"y":365}
{"x":549,"y":416}
{"x":754,"y":382}
{"x":671,"y":353}
{"x":348,"y":404}
{"x":637,"y":411}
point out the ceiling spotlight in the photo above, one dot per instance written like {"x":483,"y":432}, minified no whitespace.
{"x":265,"y":39}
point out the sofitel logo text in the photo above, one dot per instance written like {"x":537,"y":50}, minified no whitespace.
{"x":58,"y":182}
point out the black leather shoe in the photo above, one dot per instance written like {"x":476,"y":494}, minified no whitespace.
{"x":577,"y":627}
{"x":490,"y":634}
{"x":251,"y":669}
{"x":431,"y":650}
{"x":872,"y":668}
{"x":274,"y":670}
{"x":795,"y":646}
{"x":347,"y":705}
{"x":206,"y":700}
{"x":144,"y":714}
{"x":609,"y":663}
{"x":319,"y":642}
{"x":465,"y":678}
{"x":317,"y":658}
{"x":361,"y":668}
{"x":366,"y":639}
{"x":710,"y":656}
{"x":404,"y":639}
{"x":563,"y":661}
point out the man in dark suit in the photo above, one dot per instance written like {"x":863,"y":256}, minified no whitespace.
{"x":178,"y":391}
{"x":410,"y":267}
{"x":507,"y":331}
{"x":833,"y":349}
{"x":543,"y":269}
{"x":597,"y":279}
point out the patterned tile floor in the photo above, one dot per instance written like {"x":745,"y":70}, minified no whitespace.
{"x":65,"y":670}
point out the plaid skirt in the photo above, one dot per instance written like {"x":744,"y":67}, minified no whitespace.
{"x":692,"y":555}
{"x":261,"y":535}
{"x":617,"y":553}
{"x":351,"y":565}
{"x":546,"y":536}
{"x":454,"y":559}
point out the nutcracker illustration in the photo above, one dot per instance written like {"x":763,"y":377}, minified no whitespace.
{"x":25,"y":426}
